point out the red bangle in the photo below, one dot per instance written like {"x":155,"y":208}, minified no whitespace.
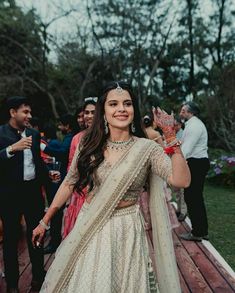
{"x":169,"y":150}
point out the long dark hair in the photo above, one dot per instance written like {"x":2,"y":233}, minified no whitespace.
{"x":94,"y":142}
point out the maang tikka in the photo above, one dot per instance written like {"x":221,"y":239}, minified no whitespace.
{"x":119,"y":89}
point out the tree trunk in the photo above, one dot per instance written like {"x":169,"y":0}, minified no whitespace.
{"x":191,"y":48}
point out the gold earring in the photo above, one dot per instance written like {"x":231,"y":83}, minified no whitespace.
{"x":106,"y":129}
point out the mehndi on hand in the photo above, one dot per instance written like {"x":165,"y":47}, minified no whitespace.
{"x":166,"y":123}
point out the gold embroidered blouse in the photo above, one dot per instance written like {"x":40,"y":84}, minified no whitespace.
{"x":158,"y":162}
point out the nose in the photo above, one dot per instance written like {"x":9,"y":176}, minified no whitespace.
{"x":121,"y":108}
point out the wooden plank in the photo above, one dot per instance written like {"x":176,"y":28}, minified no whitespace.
{"x":26,"y":277}
{"x":22,"y":246}
{"x":216,"y":263}
{"x":211,"y":274}
{"x":183,"y":284}
{"x":49,"y":261}
{"x":222,"y":270}
{"x":198,"y":269}
{"x":192,"y":276}
{"x":26,"y":274}
{"x":24,"y":265}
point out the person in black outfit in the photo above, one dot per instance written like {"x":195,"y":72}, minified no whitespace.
{"x":22,"y":173}
{"x":60,"y":151}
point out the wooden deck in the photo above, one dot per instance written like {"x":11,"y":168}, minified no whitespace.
{"x":199,"y":269}
{"x":24,"y":266}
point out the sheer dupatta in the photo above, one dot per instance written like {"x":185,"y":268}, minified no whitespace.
{"x":167,"y":272}
{"x":100,"y":210}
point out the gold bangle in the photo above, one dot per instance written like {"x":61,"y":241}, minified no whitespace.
{"x":174,"y":143}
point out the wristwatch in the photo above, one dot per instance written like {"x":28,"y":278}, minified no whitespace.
{"x":10,"y":150}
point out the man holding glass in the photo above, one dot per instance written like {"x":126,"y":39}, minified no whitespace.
{"x":22,"y":174}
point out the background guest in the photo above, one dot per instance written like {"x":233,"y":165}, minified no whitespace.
{"x":61,"y":153}
{"x":194,"y":148}
{"x":77,"y":200}
{"x":22,"y":173}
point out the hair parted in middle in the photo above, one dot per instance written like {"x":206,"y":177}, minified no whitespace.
{"x":94,"y":142}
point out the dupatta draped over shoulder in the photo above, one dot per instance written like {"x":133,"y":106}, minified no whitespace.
{"x":100,"y":210}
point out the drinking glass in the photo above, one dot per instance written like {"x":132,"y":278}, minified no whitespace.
{"x":54,"y":171}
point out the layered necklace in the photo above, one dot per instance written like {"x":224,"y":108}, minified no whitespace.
{"x":119,"y":145}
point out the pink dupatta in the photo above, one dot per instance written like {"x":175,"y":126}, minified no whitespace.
{"x":77,"y":200}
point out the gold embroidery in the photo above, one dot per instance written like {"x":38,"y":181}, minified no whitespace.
{"x":142,"y":153}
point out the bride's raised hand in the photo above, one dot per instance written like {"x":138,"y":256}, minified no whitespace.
{"x":166,"y":122}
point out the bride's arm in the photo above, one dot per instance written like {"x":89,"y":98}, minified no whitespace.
{"x":173,"y":169}
{"x":181,"y":176}
{"x":62,"y":195}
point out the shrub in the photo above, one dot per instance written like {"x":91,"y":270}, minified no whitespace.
{"x":222,"y":170}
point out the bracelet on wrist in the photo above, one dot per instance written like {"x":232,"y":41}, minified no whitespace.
{"x":44,"y":225}
{"x":171,"y":150}
{"x":170,"y":139}
{"x":10,"y":150}
{"x":174,"y":143}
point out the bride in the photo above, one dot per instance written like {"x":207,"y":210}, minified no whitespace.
{"x":107,"y":250}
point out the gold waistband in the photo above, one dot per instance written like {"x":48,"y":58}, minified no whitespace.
{"x":125,"y":210}
{"x":117,"y":212}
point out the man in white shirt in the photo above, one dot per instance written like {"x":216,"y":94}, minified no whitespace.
{"x":194,"y":148}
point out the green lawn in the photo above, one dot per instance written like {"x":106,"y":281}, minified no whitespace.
{"x":220,"y":204}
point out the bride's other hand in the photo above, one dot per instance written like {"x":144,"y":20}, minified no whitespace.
{"x":37,"y":236}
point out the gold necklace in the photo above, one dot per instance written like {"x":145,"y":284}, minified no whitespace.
{"x":119,"y":145}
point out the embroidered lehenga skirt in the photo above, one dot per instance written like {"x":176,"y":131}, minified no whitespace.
{"x":116,"y":259}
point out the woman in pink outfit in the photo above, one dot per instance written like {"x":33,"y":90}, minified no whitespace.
{"x":77,"y":200}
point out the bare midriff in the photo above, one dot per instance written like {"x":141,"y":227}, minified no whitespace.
{"x":121,"y":204}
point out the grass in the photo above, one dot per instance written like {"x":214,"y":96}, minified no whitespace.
{"x":220,"y":203}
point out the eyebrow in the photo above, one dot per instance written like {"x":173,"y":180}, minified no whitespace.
{"x":118,"y":100}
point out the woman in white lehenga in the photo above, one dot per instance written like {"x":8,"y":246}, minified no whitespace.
{"x":107,"y":250}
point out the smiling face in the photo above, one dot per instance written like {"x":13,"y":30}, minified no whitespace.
{"x":80,"y":119}
{"x":119,"y":111}
{"x":20,"y":118}
{"x":89,"y":113}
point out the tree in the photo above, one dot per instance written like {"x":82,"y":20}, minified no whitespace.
{"x":21,"y":51}
{"x":131,"y":38}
